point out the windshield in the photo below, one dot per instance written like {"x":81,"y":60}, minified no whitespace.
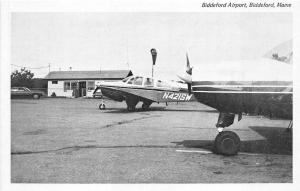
{"x":125,"y":79}
{"x":149,"y":82}
{"x":160,"y":83}
{"x":138,"y":80}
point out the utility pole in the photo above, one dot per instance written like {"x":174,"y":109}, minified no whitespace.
{"x":49,"y":67}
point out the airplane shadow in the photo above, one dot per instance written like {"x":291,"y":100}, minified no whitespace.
{"x":278,"y":141}
{"x":118,"y":110}
{"x":190,"y":110}
{"x":124,"y":110}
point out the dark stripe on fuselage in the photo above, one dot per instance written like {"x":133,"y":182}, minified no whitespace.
{"x":274,"y":99}
{"x":274,"y":83}
{"x":217,"y":87}
{"x":225,"y":89}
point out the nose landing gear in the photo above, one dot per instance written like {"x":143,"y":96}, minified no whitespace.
{"x":102,"y":105}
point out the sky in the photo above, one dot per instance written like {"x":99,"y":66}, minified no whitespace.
{"x":108,"y":41}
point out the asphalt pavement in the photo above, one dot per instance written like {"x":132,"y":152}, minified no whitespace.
{"x":61,"y":140}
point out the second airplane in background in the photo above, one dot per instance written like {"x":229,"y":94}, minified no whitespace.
{"x":134,"y":89}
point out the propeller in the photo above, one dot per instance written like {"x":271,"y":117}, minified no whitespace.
{"x":187,"y":78}
{"x":189,"y":70}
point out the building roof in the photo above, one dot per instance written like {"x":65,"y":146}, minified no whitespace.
{"x":104,"y":75}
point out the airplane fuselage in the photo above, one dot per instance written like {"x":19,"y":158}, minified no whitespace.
{"x":268,"y":98}
{"x":261,"y":87}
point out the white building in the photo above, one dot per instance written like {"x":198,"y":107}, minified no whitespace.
{"x":80,"y":83}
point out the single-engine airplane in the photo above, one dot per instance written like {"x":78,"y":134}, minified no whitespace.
{"x":134,"y":89}
{"x":262,"y":87}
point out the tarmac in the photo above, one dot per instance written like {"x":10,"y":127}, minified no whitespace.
{"x":61,"y":140}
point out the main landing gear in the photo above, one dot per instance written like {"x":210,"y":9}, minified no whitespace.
{"x":130,"y":108}
{"x":131,"y":103}
{"x":226,"y":142}
{"x":146,"y":105}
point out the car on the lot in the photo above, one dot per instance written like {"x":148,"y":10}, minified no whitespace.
{"x":23,"y":92}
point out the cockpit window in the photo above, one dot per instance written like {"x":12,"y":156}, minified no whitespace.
{"x":125,"y":79}
{"x":160,"y":83}
{"x":138,"y":80}
{"x":130,"y":81}
{"x":149,"y":82}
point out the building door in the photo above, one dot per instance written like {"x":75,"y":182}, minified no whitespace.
{"x":75,"y":89}
{"x":82,"y":88}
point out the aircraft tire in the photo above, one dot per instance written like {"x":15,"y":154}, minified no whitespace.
{"x":145,"y":106}
{"x":102,"y":106}
{"x":131,"y":108}
{"x":227,"y":143}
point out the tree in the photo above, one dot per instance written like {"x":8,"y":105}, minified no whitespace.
{"x":22,"y":78}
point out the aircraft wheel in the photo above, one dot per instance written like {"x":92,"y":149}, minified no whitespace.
{"x":145,"y":106}
{"x":131,"y":108}
{"x":102,"y":106}
{"x":227,"y":143}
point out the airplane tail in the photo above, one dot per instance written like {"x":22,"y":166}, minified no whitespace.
{"x":282,"y":52}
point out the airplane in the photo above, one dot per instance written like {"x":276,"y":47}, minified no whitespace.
{"x":261,"y":87}
{"x":135,"y":88}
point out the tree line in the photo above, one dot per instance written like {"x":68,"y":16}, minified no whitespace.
{"x":25,"y":78}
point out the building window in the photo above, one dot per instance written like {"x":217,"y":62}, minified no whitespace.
{"x":91,"y":85}
{"x":73,"y":85}
{"x":67,"y":86}
{"x":54,"y":82}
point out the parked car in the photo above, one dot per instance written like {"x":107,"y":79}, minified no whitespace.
{"x":23,"y":92}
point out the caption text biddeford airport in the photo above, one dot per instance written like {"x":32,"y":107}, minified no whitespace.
{"x":246,"y":5}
